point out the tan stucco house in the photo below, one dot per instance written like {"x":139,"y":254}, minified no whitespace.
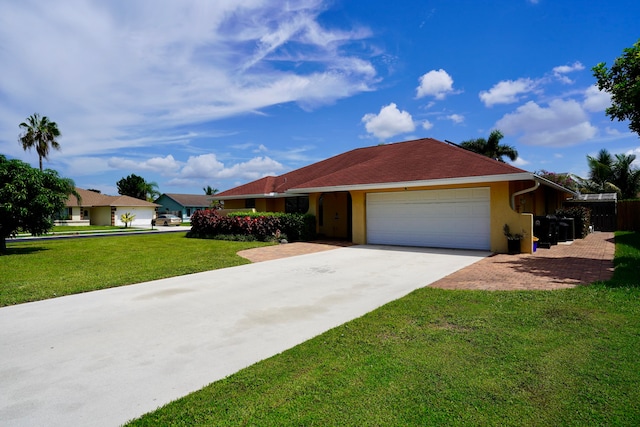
{"x":416,"y":193}
{"x":100,"y":209}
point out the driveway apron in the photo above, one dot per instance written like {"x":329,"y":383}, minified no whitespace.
{"x":105,"y":357}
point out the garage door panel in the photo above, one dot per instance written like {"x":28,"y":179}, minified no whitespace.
{"x":143,"y":215}
{"x":457,"y":218}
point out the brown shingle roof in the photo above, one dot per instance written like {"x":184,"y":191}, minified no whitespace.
{"x":419,"y":160}
{"x":91,"y":198}
{"x":188,"y":200}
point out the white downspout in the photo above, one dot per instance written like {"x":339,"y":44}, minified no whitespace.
{"x":521,"y":192}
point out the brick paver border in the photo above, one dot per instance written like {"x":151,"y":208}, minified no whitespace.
{"x":581,"y":262}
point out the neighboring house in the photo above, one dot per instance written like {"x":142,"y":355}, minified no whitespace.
{"x":416,"y":193}
{"x":100,"y":209}
{"x":183,"y":205}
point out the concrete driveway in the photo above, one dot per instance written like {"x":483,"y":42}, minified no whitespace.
{"x":105,"y":357}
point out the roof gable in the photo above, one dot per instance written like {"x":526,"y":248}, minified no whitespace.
{"x":419,"y":160}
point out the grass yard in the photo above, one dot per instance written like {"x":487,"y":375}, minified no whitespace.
{"x":439,"y":357}
{"x":38,"y":270}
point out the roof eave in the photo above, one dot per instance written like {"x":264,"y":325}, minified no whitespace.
{"x":273,"y":195}
{"x":554,"y":185}
{"x":423,"y":183}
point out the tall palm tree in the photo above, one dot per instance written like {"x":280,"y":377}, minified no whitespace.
{"x":491,"y":147}
{"x":39,"y":133}
{"x":625,"y":177}
{"x":601,"y":170}
{"x":150,"y":190}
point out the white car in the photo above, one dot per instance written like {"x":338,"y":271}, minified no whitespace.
{"x":166,"y":219}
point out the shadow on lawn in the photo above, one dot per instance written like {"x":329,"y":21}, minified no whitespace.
{"x":23,"y":251}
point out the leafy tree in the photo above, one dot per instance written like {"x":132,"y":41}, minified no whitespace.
{"x":29,"y":198}
{"x":622,"y":81}
{"x":491,"y":147}
{"x":136,"y":186}
{"x":39,"y":133}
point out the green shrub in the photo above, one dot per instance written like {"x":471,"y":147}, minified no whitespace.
{"x":296,"y":226}
{"x":581,"y":216}
{"x":261,"y":226}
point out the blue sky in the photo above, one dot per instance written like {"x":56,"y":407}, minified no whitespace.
{"x":195,"y":93}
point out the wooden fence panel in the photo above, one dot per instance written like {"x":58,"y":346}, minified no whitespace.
{"x":629,"y":215}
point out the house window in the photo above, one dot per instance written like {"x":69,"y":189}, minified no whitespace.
{"x":188,"y":211}
{"x":250,"y":203}
{"x":296,"y":204}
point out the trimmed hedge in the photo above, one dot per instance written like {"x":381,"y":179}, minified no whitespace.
{"x":263,"y":226}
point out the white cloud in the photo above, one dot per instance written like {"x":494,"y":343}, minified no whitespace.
{"x":436,"y":83}
{"x":261,"y":149}
{"x":125,"y":70}
{"x":208,"y":167}
{"x":456,"y":118}
{"x":507,"y":91}
{"x":520,"y":162}
{"x":564,"y":69}
{"x":389,"y":122}
{"x":596,"y":100}
{"x":560,"y":71}
{"x":562,"y":123}
{"x":252,"y":169}
{"x":204,"y":166}
{"x":163,"y":165}
{"x":426,"y":125}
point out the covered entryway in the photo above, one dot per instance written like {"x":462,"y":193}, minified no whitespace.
{"x":457,"y":218}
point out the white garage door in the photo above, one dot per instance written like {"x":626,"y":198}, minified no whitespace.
{"x":435,"y":218}
{"x":143,"y":215}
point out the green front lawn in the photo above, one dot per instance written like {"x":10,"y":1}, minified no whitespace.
{"x":36,"y":270}
{"x":440,"y":357}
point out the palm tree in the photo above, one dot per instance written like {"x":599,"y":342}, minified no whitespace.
{"x":150,"y":190}
{"x":491,"y":147}
{"x":625,"y":177}
{"x":209,"y":191}
{"x":601,"y":170}
{"x":41,"y":133}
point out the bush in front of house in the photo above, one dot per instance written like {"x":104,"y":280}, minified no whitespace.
{"x":247,"y":226}
{"x":296,"y":226}
{"x":581,"y":216}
